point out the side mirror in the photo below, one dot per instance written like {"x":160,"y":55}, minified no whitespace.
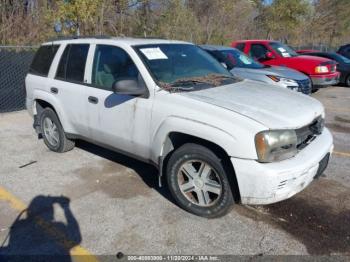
{"x":128,"y":86}
{"x":269,"y":55}
{"x":229,"y":65}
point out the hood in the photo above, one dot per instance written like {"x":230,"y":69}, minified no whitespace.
{"x":310,"y":60}
{"x":275,"y":108}
{"x":274,"y":70}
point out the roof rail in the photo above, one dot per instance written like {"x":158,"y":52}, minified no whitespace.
{"x":78,"y":37}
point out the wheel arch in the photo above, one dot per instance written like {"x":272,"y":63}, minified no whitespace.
{"x":176,"y":139}
{"x":175,"y":132}
{"x":41,"y":104}
{"x":43,"y":100}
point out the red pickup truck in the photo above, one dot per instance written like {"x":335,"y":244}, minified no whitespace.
{"x":322,"y":71}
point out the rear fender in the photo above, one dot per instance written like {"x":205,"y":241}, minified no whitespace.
{"x":56,"y":104}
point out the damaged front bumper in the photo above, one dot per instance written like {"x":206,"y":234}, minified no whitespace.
{"x":266,"y":183}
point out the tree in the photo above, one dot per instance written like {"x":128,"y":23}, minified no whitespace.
{"x":332,"y":20}
{"x":222,"y":20}
{"x":77,"y":15}
{"x":298,"y":22}
{"x":282,"y":17}
{"x":176,"y":22}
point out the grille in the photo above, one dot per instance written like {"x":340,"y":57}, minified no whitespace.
{"x":307,"y":134}
{"x":305,"y":86}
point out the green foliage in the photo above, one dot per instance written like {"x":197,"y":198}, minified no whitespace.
{"x":282,"y":17}
{"x":82,"y":13}
{"x":177,"y":22}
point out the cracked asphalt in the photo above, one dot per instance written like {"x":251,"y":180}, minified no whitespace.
{"x":105,"y":203}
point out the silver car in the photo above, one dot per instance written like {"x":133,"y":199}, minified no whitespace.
{"x":244,"y":66}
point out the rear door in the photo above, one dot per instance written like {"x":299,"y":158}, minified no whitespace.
{"x":68,"y":86}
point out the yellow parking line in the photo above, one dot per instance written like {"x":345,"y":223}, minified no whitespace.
{"x":78,"y":253}
{"x":12,"y":200}
{"x":346,"y":154}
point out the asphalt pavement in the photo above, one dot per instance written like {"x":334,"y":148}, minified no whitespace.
{"x":94,"y":201}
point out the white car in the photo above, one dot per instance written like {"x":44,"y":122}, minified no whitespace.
{"x":216,"y":139}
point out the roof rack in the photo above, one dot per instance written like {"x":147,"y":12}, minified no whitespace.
{"x":78,"y":37}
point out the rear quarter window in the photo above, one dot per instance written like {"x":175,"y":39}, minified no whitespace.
{"x":240,"y":46}
{"x":43,"y":59}
{"x":72,"y":64}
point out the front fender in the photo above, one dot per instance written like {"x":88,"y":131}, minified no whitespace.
{"x":202,"y":130}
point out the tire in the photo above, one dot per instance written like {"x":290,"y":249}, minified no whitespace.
{"x":347,"y":81}
{"x":55,"y":139}
{"x":206,"y":178}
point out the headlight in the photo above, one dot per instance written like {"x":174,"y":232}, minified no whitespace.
{"x":287,"y":82}
{"x":276,"y":145}
{"x":321,"y":69}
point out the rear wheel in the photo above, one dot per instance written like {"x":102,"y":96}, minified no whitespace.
{"x":53,"y":133}
{"x":198,"y":182}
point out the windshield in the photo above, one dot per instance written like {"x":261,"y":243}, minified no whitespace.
{"x":239,"y":59}
{"x":283,"y":50}
{"x":182,"y":64}
{"x":340,"y":58}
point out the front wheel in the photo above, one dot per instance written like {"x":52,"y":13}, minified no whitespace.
{"x":198,"y":182}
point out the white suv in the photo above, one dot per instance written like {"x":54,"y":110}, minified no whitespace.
{"x":215,"y":138}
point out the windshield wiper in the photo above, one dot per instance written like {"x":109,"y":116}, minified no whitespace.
{"x":187,"y":82}
{"x":210,"y":79}
{"x":169,"y":87}
{"x":221,"y":76}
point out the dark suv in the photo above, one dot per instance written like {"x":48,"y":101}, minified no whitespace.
{"x":344,"y":50}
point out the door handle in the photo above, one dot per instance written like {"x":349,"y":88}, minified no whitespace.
{"x":54,"y":90}
{"x":93,"y":100}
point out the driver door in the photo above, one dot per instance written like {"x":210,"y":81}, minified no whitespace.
{"x":259,"y":53}
{"x":119,"y":121}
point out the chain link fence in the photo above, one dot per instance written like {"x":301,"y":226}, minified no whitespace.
{"x":14,"y":65}
{"x":319,"y":47}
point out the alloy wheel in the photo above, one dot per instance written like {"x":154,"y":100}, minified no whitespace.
{"x":199,"y":183}
{"x":51,"y":131}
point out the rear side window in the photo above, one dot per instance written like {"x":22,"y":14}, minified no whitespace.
{"x":217,"y":55}
{"x":258,"y":51}
{"x":61,"y":70}
{"x":43,"y":59}
{"x":72,"y":64}
{"x":240,"y":46}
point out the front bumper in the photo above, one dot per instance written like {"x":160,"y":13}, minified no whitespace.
{"x":266,"y":183}
{"x":320,"y":81}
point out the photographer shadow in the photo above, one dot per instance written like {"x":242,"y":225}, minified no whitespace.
{"x":38,"y":236}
